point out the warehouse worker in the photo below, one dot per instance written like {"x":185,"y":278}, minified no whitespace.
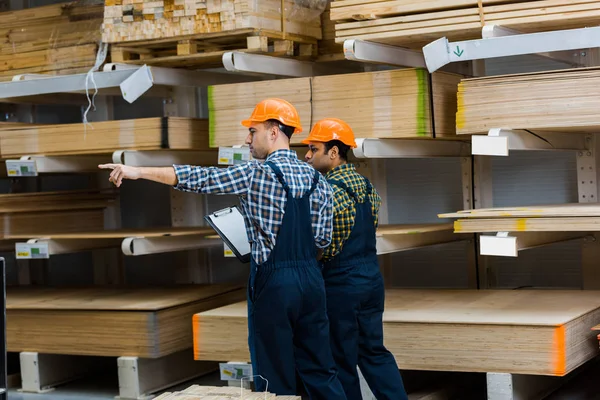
{"x":287,"y":207}
{"x":354,"y":285}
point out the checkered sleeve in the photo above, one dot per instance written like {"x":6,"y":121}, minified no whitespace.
{"x":213,"y":180}
{"x":322,"y":213}
{"x":344,"y":214}
{"x":375,"y":205}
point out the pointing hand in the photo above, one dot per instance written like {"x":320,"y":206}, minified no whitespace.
{"x":120,"y":172}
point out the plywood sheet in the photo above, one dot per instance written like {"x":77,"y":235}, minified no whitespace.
{"x":121,"y":233}
{"x":545,"y":332}
{"x":196,"y":392}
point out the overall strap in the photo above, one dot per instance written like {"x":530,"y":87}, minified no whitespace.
{"x":315,"y":182}
{"x":369,"y":186}
{"x":342,"y":185}
{"x":279,"y":175}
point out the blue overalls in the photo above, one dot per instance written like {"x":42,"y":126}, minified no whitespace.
{"x":355,"y":303}
{"x":287,"y":314}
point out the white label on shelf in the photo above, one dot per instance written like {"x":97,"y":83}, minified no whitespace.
{"x":32,"y":250}
{"x":21,"y":168}
{"x":235,"y":371}
{"x":501,"y":246}
{"x":233,"y":155}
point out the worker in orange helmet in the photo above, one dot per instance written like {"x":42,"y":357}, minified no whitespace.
{"x":288,"y":210}
{"x":353,"y":282}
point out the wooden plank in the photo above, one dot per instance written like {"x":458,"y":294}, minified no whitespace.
{"x":122,"y":321}
{"x":551,"y":210}
{"x":121,"y":233}
{"x":546,"y":332}
{"x":196,"y":392}
{"x":557,"y":224}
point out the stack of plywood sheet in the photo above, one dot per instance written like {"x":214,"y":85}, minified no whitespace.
{"x":44,"y":212}
{"x":559,"y":101}
{"x":109,"y":321}
{"x":57,"y":39}
{"x":196,"y":392}
{"x":105,"y":137}
{"x":328,"y":49}
{"x":576,"y":217}
{"x":416,"y":23}
{"x":405,"y":103}
{"x":546,"y":332}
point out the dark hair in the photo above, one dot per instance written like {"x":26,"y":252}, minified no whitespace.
{"x":287,"y":130}
{"x":342,"y":148}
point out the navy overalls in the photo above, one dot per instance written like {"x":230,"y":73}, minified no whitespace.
{"x":287,"y":313}
{"x":355,"y":303}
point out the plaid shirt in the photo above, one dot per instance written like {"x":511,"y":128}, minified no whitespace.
{"x":262,"y":197}
{"x":344,"y":209}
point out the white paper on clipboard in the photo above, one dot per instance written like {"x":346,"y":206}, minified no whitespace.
{"x":229,"y":224}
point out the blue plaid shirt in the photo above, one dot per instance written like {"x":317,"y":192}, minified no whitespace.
{"x":262,"y":197}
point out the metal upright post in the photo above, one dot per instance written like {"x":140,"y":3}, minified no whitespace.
{"x":3,"y":372}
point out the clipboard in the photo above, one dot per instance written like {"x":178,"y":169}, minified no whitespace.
{"x":230,"y":226}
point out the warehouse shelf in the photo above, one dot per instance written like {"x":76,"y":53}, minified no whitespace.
{"x":164,"y":158}
{"x":442,"y":52}
{"x":34,"y":165}
{"x":411,"y":148}
{"x":370,"y":52}
{"x":396,"y":238}
{"x":132,"y":242}
{"x":132,"y":81}
{"x":499,"y":142}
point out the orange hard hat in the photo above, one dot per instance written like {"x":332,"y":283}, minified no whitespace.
{"x":329,"y":129}
{"x":276,"y":109}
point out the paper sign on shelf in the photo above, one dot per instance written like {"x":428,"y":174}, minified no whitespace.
{"x":32,"y":250}
{"x":235,"y":371}
{"x":227,"y":251}
{"x":16,"y":168}
{"x":233,"y":155}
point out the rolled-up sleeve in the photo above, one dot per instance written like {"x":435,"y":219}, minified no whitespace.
{"x":322,"y":214}
{"x":213,"y":180}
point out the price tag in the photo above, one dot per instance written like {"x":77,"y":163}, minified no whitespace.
{"x":235,"y":372}
{"x":227,"y":251}
{"x":233,"y":155}
{"x":32,"y":250}
{"x":21,"y":168}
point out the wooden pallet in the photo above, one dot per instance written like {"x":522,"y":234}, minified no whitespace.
{"x":207,"y":49}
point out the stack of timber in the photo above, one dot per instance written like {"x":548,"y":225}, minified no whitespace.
{"x":328,"y":49}
{"x":45,"y":212}
{"x":148,"y":322}
{"x":197,"y":32}
{"x":417,"y":23}
{"x":559,"y":101}
{"x":196,"y":392}
{"x":576,"y":217}
{"x":405,"y":103}
{"x":56,"y":39}
{"x":104,"y":137}
{"x":522,"y":332}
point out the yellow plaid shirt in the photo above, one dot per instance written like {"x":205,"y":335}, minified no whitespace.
{"x":344,"y":209}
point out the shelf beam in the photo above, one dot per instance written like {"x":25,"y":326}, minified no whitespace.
{"x":506,"y":245}
{"x":364,"y":51}
{"x":442,"y":52}
{"x":164,"y":158}
{"x":138,"y":246}
{"x":45,"y":248}
{"x":499,"y":142}
{"x":34,"y":165}
{"x":393,"y":243}
{"x":410,"y":148}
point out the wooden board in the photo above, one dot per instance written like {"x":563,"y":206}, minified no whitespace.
{"x":546,"y":332}
{"x":51,"y":222}
{"x":57,"y":200}
{"x":551,"y":210}
{"x":196,"y":392}
{"x":556,"y":224}
{"x":134,"y":21}
{"x":562,"y":101}
{"x":386,"y":104}
{"x":122,"y":233}
{"x":109,"y":321}
{"x":105,"y":137}
{"x":414,"y":24}
{"x":49,"y":39}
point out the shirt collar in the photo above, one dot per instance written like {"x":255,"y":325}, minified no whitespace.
{"x":341,"y":170}
{"x":282,"y":153}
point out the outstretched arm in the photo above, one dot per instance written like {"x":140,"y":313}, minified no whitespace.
{"x":165,"y":175}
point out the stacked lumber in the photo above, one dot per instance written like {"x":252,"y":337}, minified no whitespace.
{"x":148,"y":322}
{"x":55,"y":39}
{"x":522,"y":332}
{"x":104,"y":137}
{"x":402,"y":103}
{"x":129,"y":21}
{"x":45,"y":212}
{"x":576,"y":217}
{"x":327,"y":48}
{"x":560,"y":101}
{"x":415,"y":24}
{"x":196,"y":392}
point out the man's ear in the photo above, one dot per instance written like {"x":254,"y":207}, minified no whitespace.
{"x":333,"y":153}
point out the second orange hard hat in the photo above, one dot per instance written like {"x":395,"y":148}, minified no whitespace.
{"x":277,"y":109}
{"x":329,"y":129}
